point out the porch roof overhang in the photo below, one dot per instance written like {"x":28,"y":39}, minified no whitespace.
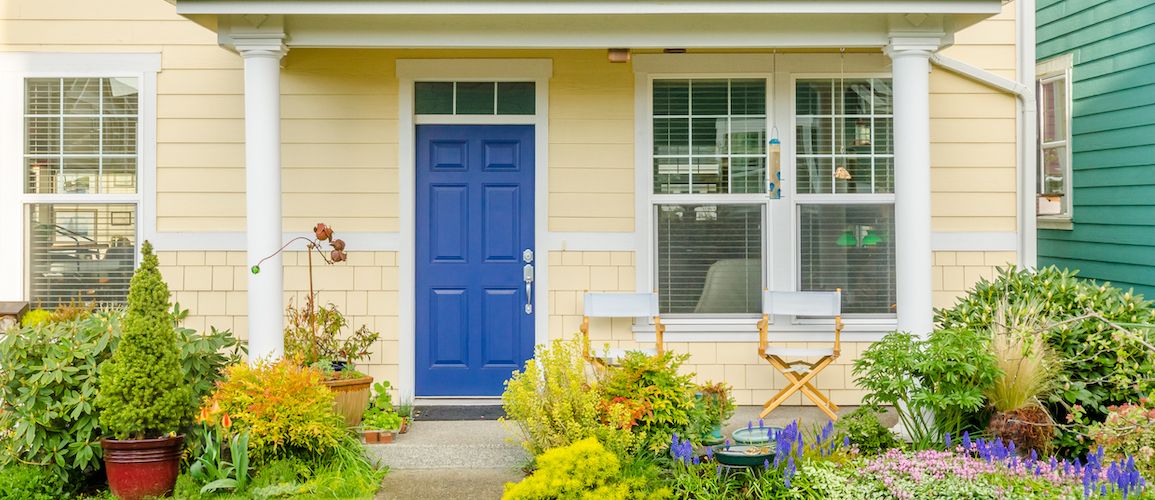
{"x":559,"y":24}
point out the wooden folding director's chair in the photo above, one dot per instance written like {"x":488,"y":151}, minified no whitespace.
{"x":619,"y":305}
{"x":800,"y":373}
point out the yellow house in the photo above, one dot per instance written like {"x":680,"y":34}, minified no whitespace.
{"x":489,"y":161}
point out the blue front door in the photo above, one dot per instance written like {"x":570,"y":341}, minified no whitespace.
{"x":474,"y":237}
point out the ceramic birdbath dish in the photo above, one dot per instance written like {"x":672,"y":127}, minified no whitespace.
{"x":743,"y":455}
{"x":756,"y":435}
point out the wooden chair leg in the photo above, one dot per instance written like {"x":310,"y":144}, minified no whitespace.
{"x":797,"y":384}
{"x":820,"y":400}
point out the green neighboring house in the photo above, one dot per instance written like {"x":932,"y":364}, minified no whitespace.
{"x":1096,"y":176}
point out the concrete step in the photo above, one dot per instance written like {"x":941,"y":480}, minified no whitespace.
{"x":452,"y":445}
{"x":447,"y":484}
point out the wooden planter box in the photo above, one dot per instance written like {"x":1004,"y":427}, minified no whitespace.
{"x":352,"y":397}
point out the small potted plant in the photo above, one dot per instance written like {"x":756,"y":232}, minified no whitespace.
{"x":143,"y":398}
{"x":405,"y":410}
{"x":313,"y":335}
{"x":380,"y":418}
{"x":719,"y":407}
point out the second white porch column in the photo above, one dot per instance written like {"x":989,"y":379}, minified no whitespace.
{"x":911,"y":68}
{"x":262,"y":59}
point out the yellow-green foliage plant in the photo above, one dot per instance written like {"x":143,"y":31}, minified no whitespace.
{"x":582,"y":470}
{"x":143,"y":392}
{"x":283,"y":405}
{"x":36,"y":317}
{"x":552,"y":400}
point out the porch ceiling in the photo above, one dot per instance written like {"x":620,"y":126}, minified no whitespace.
{"x":585,"y":23}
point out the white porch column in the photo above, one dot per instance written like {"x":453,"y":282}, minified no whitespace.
{"x":262,"y":57}
{"x":912,"y":206}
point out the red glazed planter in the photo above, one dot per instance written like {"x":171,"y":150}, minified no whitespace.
{"x":142,"y":468}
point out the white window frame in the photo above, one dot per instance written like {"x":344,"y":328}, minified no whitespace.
{"x":15,"y":68}
{"x":1053,"y":70}
{"x":780,"y":254}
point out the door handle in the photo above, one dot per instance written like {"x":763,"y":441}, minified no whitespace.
{"x":527,"y":275}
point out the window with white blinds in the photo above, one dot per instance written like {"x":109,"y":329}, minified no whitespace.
{"x":709,"y":156}
{"x":849,"y":246}
{"x":844,"y":164}
{"x":710,"y":258}
{"x":80,"y":253}
{"x":81,"y":156}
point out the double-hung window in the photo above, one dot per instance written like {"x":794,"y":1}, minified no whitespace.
{"x":81,"y":156}
{"x":709,"y":182}
{"x":1054,"y":152}
{"x":715,"y":223}
{"x":844,"y":194}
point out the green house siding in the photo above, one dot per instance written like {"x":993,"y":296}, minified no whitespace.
{"x":1112,"y":43}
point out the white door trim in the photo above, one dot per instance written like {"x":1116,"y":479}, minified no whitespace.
{"x":410,"y":71}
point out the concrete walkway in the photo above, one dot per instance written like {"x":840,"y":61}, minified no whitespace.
{"x":469,"y":460}
{"x":451,"y":460}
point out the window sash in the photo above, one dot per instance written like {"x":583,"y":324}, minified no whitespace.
{"x":1054,"y":105}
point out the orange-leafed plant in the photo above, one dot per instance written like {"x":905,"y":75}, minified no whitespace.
{"x":282,"y":405}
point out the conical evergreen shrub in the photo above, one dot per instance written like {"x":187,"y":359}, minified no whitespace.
{"x":143,"y":393}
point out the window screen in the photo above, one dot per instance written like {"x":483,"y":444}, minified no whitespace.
{"x":710,"y":258}
{"x":851,"y":247}
{"x":80,"y":253}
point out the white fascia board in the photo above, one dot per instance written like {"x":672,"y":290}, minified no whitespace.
{"x":590,"y":31}
{"x":584,"y":7}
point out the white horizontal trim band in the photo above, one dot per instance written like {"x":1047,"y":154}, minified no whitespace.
{"x":974,"y":241}
{"x":575,"y":241}
{"x":68,"y":64}
{"x":584,"y":7}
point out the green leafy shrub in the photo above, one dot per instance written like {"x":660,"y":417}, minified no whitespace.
{"x":143,"y":392}
{"x":552,"y":400}
{"x":583,"y":469}
{"x":283,"y":405}
{"x":48,"y":388}
{"x":30,"y":482}
{"x":865,"y":431}
{"x":653,"y":382}
{"x":50,"y":380}
{"x":933,"y":384}
{"x":1129,"y":431}
{"x":1097,"y":331}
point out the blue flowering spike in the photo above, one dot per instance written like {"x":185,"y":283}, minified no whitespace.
{"x":966,"y":439}
{"x":695,"y":460}
{"x":948,"y":440}
{"x":750,"y":426}
{"x":761,"y":424}
{"x":766,"y":464}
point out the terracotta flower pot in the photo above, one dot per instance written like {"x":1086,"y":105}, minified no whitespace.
{"x":142,"y":468}
{"x":372,"y":437}
{"x":351,"y":397}
{"x":386,"y":437}
{"x":404,"y":426}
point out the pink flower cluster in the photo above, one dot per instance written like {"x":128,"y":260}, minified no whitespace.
{"x":896,"y":468}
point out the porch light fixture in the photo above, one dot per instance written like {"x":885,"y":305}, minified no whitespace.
{"x":619,"y":55}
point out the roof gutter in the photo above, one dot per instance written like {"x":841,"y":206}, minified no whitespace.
{"x":1024,"y":91}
